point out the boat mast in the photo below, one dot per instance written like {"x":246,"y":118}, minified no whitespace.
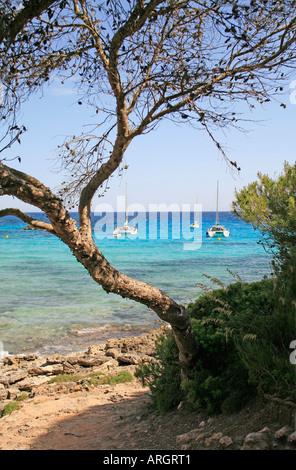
{"x":217,"y":221}
{"x":126,"y":204}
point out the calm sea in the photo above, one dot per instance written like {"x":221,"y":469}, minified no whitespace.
{"x":49,"y":303}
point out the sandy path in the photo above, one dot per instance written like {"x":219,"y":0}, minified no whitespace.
{"x":103,"y":418}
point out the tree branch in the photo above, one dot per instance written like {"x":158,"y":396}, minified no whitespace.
{"x":32,"y":191}
{"x":28,"y":219}
{"x":32,"y":9}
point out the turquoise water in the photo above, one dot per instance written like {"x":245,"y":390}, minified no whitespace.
{"x":47,"y":296}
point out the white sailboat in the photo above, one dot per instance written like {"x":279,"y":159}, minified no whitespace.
{"x":195,"y":224}
{"x":217,"y":229}
{"x":125,"y":229}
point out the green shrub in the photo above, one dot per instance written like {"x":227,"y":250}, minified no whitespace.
{"x":122,"y":377}
{"x":10,"y":407}
{"x":263,"y":339}
{"x":220,"y":380}
{"x":60,"y":378}
{"x":23,"y":396}
{"x":94,"y":378}
{"x":243,"y":333}
{"x":163,"y":377}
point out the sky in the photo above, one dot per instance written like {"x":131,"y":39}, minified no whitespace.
{"x":173,"y":164}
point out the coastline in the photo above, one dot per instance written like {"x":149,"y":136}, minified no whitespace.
{"x":78,"y":341}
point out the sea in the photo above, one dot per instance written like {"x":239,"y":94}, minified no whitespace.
{"x":50,"y":304}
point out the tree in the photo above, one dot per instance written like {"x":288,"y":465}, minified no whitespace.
{"x":270,"y":206}
{"x":136,"y":62}
{"x":14,"y":18}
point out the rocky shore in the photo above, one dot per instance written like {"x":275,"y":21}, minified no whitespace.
{"x":92,"y":400}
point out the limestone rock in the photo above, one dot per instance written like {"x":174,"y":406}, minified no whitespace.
{"x":292,"y":438}
{"x":283,"y":432}
{"x":13,"y":377}
{"x":12,"y":393}
{"x":257,"y":440}
{"x":225,"y":442}
{"x":187,"y":437}
{"x":133,"y":358}
{"x":3,"y":394}
{"x":31,"y":382}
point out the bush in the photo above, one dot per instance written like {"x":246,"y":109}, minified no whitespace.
{"x":10,"y":407}
{"x":163,"y":377}
{"x":243,"y":336}
{"x":263,"y":340}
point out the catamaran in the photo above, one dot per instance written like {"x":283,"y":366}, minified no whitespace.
{"x":217,"y":229}
{"x":125,"y":228}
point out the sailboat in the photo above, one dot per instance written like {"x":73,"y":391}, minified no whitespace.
{"x":196,"y":222}
{"x":217,"y":228}
{"x":125,"y":228}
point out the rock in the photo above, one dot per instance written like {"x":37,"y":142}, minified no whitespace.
{"x":29,"y":357}
{"x":11,"y":360}
{"x":292,"y":438}
{"x":56,"y":359}
{"x":283,"y":432}
{"x":86,"y":360}
{"x":31,"y":382}
{"x":256,"y":440}
{"x":108,"y":365}
{"x":12,"y":393}
{"x":3,"y":394}
{"x":213,"y":439}
{"x":225,"y":442}
{"x":187,"y":437}
{"x":133,"y":358}
{"x":113,"y":352}
{"x":13,"y":377}
{"x":96,"y":350}
{"x":68,"y":368}
{"x":92,"y":361}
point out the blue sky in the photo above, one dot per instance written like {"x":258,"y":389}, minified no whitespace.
{"x":172,"y":164}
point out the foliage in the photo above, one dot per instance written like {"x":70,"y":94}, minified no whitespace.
{"x":14,"y":405}
{"x":23,"y":396}
{"x":270,"y":206}
{"x":243,"y":335}
{"x":60,"y":378}
{"x":10,"y":407}
{"x":95,"y":378}
{"x":164,"y":376}
{"x":263,"y":340}
{"x":121,"y":377}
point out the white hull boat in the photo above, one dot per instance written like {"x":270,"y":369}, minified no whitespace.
{"x":125,"y":229}
{"x":217,"y":229}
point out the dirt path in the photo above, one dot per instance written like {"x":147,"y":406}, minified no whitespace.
{"x":99,"y":416}
{"x":107,"y":417}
